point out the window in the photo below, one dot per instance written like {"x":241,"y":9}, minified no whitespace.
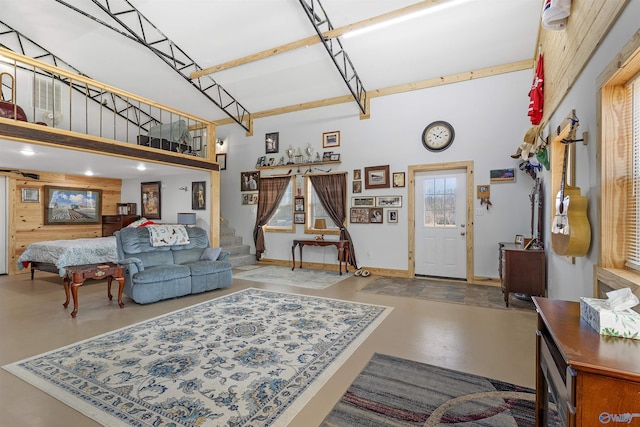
{"x":315,"y":211}
{"x":282,"y":220}
{"x":619,"y":153}
{"x":440,"y":202}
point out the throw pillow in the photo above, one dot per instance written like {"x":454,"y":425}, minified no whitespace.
{"x":137,"y":223}
{"x":210,"y":254}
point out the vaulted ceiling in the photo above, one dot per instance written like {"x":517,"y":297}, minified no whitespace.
{"x":456,"y":37}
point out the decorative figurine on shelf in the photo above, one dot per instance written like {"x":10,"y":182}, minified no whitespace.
{"x":281,"y":162}
{"x":309,"y":151}
{"x":299,"y":157}
{"x":290,"y":155}
{"x":317,"y":158}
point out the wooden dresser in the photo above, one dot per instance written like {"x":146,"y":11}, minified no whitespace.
{"x":521,"y":270}
{"x":594,"y":379}
{"x":113,"y":223}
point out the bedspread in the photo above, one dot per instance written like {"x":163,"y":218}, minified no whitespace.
{"x":64,"y":253}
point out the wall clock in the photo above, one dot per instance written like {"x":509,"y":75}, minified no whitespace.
{"x":438,"y":136}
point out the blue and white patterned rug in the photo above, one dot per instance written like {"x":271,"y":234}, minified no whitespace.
{"x":300,"y":277}
{"x":251,"y":358}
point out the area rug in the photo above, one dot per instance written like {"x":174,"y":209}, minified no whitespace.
{"x":391,"y":391}
{"x":300,"y":277}
{"x":251,"y":358}
{"x":446,"y":291}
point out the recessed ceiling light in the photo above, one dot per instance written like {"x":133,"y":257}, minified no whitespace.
{"x":141,"y":167}
{"x":27,"y":152}
{"x":88,"y":173}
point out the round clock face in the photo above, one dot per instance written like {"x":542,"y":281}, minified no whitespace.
{"x":438,"y":136}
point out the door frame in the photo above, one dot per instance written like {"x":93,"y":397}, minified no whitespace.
{"x":413,"y":170}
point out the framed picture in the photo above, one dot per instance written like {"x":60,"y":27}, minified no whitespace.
{"x":326,"y":156}
{"x":299,"y":204}
{"x":389,"y":201}
{"x":298,"y":218}
{"x":249,"y":198}
{"x":199,"y":195}
{"x":249,"y":181}
{"x":335,"y":157}
{"x":331,"y":139}
{"x":262,"y":161}
{"x":398,"y":179}
{"x":30,"y":195}
{"x":272,"y":143}
{"x":359,"y":215}
{"x":196,"y":142}
{"x":356,"y":187}
{"x":363,"y":201}
{"x":222,"y":159}
{"x":272,"y":161}
{"x":502,"y":175}
{"x":357,"y":174}
{"x":519,"y":239}
{"x":376,"y":177}
{"x":65,"y":206}
{"x":376,"y":216}
{"x":392,"y":215}
{"x":151,"y":199}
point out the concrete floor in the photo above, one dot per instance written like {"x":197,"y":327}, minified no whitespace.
{"x":495,"y":343}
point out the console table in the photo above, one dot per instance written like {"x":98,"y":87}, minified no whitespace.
{"x":521,"y":270}
{"x":594,"y":379}
{"x":341,"y":245}
{"x":77,"y":274}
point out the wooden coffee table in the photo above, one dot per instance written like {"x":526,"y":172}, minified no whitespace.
{"x":77,"y":274}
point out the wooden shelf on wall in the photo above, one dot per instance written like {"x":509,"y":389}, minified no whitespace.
{"x":293,"y":165}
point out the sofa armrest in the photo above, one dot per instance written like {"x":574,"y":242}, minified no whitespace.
{"x":133,"y":264}
{"x":224,"y":255}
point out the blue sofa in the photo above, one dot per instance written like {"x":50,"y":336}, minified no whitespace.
{"x":156,"y":273}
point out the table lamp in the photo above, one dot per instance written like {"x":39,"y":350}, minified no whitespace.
{"x":187,"y":218}
{"x":320,"y":224}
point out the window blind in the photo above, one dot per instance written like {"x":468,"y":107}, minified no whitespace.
{"x":632,"y":237}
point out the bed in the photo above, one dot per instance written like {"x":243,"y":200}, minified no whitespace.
{"x":54,"y":255}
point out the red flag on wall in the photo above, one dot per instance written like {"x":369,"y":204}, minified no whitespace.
{"x":536,"y":94}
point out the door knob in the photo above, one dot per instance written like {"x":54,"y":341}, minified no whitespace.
{"x":462,"y":233}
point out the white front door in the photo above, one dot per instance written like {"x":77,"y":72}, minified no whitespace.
{"x":440,"y":224}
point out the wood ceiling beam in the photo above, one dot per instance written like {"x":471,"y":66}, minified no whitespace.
{"x":309,"y":41}
{"x":392,"y":90}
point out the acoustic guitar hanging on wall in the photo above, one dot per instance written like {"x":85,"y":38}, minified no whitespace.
{"x":570,"y":231}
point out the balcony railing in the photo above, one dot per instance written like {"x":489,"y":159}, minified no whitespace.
{"x":37,"y":92}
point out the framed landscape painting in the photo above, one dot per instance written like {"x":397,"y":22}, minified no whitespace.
{"x":65,"y":206}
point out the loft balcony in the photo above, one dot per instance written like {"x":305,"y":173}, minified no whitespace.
{"x":48,"y":105}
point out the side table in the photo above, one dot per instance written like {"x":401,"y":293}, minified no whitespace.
{"x":341,"y":245}
{"x":77,"y":274}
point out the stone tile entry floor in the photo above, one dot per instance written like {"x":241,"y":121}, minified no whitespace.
{"x":447,"y":291}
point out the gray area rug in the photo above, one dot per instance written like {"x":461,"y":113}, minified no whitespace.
{"x":302,"y":278}
{"x":391,"y":391}
{"x":456,"y":292}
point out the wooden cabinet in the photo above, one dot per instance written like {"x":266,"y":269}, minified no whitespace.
{"x":113,"y":223}
{"x":594,"y":379}
{"x":521,"y":270}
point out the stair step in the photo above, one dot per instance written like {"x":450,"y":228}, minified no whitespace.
{"x":238,"y":260}
{"x":237,"y":249}
{"x":230,"y":241}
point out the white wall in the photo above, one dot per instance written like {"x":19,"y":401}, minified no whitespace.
{"x":173,"y":200}
{"x":570,"y":281}
{"x":490,"y":119}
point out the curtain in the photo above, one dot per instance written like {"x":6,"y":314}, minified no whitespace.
{"x":271,"y":190}
{"x":331,"y":190}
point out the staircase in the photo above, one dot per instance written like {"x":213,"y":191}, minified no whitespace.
{"x":228,"y":241}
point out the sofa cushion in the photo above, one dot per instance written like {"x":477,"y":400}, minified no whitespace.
{"x":201,"y":268}
{"x":160,"y":273}
{"x":187,"y":255}
{"x":211,"y":254}
{"x":149,"y":259}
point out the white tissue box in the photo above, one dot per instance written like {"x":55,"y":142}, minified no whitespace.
{"x":623,"y":323}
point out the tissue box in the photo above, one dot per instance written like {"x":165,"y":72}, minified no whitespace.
{"x":623,"y":323}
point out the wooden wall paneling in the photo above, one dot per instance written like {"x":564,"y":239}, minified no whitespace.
{"x":566,"y":52}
